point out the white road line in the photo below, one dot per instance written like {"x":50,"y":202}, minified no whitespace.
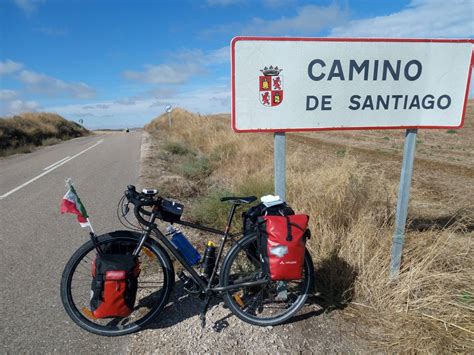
{"x":59,"y":161}
{"x":48,"y":171}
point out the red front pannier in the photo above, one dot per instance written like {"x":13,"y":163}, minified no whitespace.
{"x":282,"y":245}
{"x":114,"y":285}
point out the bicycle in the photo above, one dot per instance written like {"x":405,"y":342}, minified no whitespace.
{"x":239,"y":279}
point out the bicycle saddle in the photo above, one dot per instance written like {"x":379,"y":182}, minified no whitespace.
{"x":239,"y":200}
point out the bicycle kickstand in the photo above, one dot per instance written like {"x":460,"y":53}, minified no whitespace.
{"x":202,"y":315}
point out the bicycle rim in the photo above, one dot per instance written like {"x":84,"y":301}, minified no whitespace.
{"x":270,"y":304}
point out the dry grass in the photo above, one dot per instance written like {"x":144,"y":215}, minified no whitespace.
{"x":22,"y":133}
{"x":351,"y":202}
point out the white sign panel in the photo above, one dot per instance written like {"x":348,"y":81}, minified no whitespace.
{"x":297,"y":84}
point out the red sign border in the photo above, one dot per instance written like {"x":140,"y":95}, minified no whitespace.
{"x":320,"y":39}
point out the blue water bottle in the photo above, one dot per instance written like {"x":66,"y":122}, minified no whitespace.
{"x":186,"y":249}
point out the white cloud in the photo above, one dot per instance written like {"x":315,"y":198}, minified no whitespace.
{"x":308,"y":21}
{"x":11,"y":101}
{"x":17,"y":106}
{"x":161,"y":93}
{"x":28,"y":6}
{"x":184,"y":65}
{"x":53,"y":31}
{"x":9,"y":67}
{"x":47,"y":85}
{"x":206,"y":100}
{"x":279,"y":3}
{"x":8,"y":95}
{"x":173,"y":73}
{"x":223,"y":2}
{"x":421,"y":18}
{"x":96,"y":106}
{"x":12,"y":104}
{"x":218,"y":56}
{"x":127,"y":101}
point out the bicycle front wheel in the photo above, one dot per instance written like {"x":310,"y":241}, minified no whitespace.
{"x":154,"y":284}
{"x":269,"y":304}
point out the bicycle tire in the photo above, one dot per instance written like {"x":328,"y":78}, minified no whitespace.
{"x":83,"y":318}
{"x":242,"y":312}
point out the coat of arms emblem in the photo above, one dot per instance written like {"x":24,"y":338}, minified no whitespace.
{"x":271,"y":86}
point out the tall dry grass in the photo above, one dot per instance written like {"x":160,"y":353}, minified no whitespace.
{"x":429,"y":308}
{"x":28,"y":130}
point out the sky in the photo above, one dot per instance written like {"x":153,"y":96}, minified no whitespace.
{"x":117,"y":63}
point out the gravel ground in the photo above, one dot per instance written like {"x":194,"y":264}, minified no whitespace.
{"x":178,"y":328}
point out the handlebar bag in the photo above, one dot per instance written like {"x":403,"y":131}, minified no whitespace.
{"x":282,"y":242}
{"x":171,"y":211}
{"x":114,"y":285}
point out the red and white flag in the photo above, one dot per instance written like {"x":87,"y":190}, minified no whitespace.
{"x":71,"y":203}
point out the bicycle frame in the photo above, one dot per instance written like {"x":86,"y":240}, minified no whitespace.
{"x":206,"y":288}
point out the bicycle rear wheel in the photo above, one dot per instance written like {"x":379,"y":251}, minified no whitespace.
{"x":154,"y":284}
{"x":269,"y":304}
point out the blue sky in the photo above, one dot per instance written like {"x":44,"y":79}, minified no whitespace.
{"x":119,"y":63}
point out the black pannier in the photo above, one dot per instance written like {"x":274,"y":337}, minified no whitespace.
{"x":251,"y":215}
{"x":114,"y":285}
{"x":114,"y":280}
{"x":171,"y":211}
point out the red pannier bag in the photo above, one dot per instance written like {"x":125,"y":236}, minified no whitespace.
{"x":114,"y":285}
{"x":282,"y":245}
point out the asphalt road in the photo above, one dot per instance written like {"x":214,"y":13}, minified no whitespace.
{"x":36,"y":240}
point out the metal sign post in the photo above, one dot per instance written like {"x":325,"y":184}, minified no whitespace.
{"x":402,"y":203}
{"x":279,"y":156}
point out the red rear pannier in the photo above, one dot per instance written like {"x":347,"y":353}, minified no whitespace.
{"x":282,"y":244}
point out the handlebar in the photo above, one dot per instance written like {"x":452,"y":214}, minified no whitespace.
{"x":140,"y":200}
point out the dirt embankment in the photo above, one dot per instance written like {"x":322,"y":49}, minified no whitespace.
{"x":22,"y":133}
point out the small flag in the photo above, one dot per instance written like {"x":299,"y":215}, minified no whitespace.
{"x":71,"y":203}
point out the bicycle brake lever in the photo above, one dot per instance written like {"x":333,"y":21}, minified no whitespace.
{"x":126,"y":210}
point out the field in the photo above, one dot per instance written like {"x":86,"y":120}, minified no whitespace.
{"x":22,"y":133}
{"x":348,"y":182}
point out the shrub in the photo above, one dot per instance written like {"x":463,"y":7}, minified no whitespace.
{"x":195,"y":168}
{"x":209,"y":210}
{"x":177,"y":148}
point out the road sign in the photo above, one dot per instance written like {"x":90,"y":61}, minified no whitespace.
{"x":168,"y":110}
{"x":296,"y":84}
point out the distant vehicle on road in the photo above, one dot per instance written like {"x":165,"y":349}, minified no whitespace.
{"x":127,"y":130}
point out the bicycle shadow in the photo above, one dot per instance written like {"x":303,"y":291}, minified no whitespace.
{"x":333,"y":289}
{"x":180,"y":307}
